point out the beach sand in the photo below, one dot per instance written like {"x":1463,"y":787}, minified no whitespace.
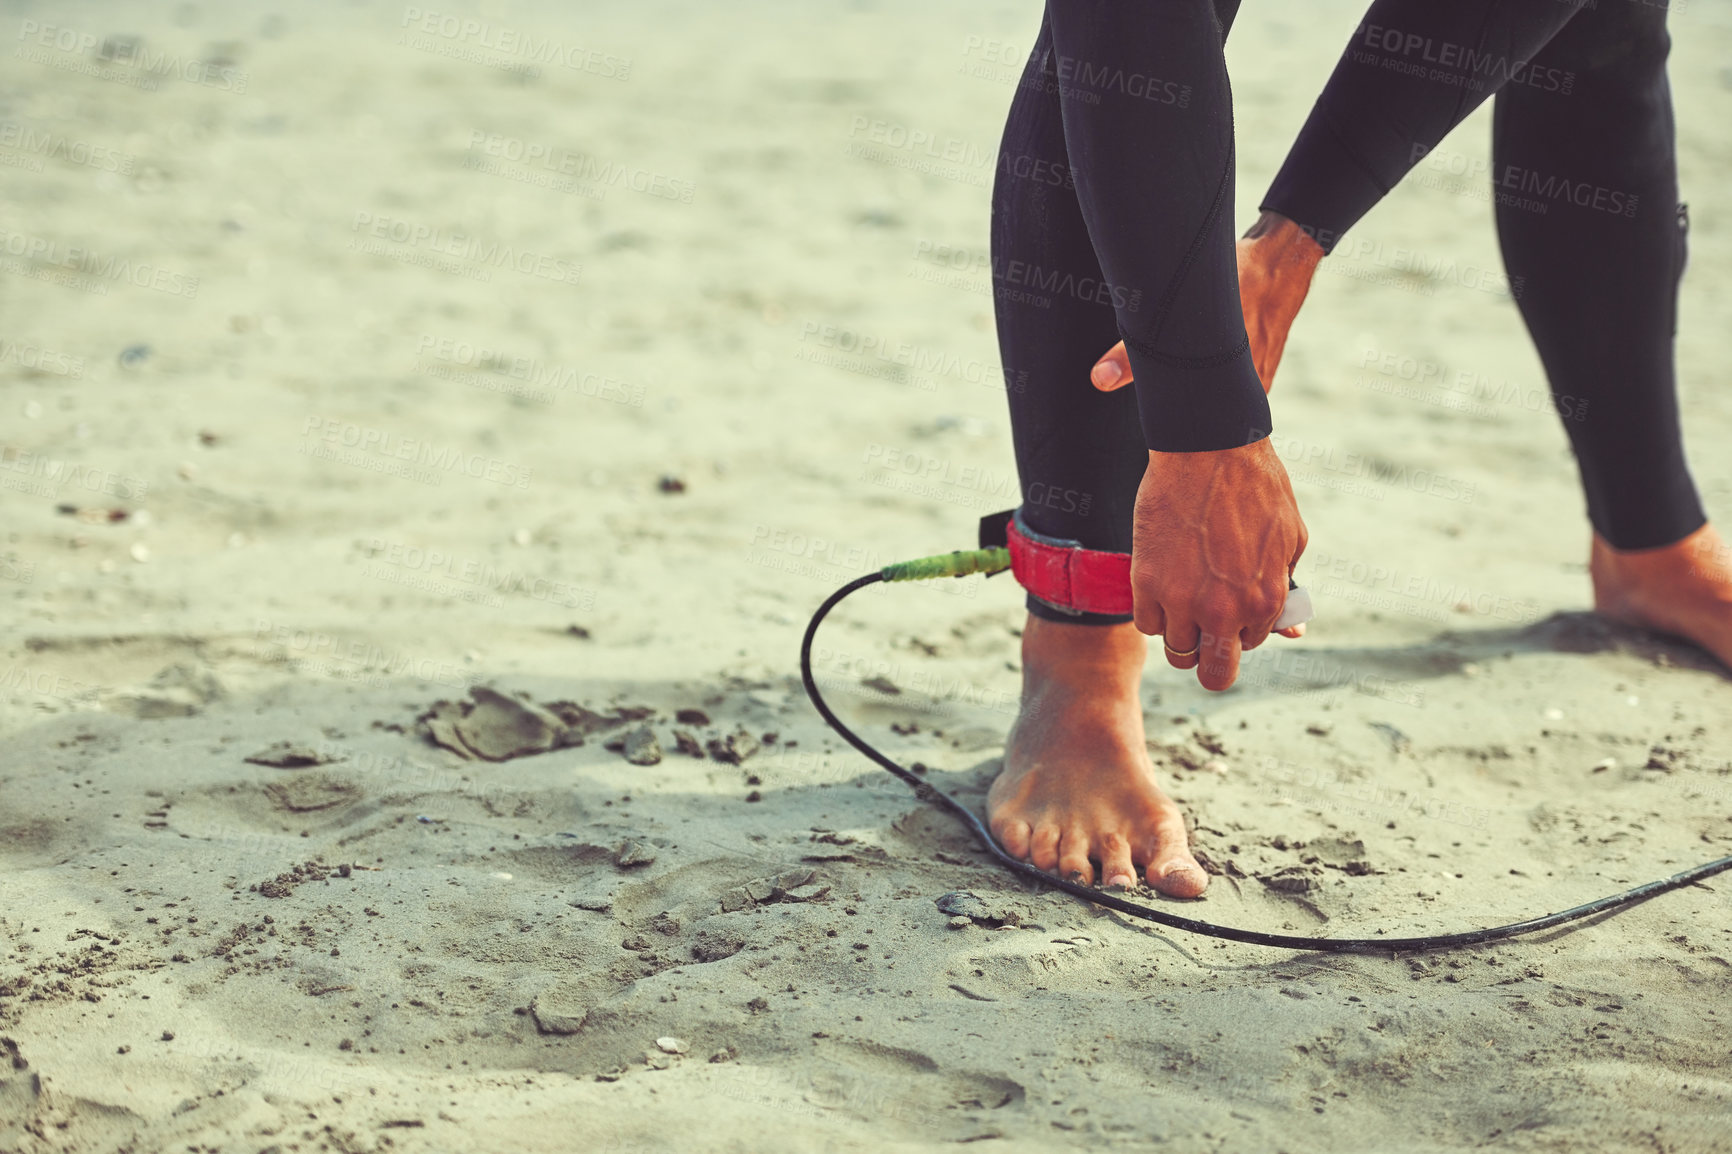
{"x":354,"y":359}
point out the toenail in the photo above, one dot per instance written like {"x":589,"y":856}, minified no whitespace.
{"x":1178,"y":867}
{"x":1120,"y":881}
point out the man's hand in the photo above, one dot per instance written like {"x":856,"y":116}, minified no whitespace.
{"x":1277,"y":260}
{"x":1214,"y":539}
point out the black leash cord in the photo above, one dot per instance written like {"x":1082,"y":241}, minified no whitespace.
{"x":928,"y":793}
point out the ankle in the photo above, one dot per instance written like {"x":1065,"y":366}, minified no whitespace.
{"x":1104,"y":656}
{"x":1702,"y":556}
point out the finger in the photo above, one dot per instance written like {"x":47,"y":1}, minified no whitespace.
{"x":1112,"y":371}
{"x":1150,"y":619}
{"x":1263,"y":620}
{"x":1218,"y":657}
{"x":1180,"y":640}
{"x":1270,"y":360}
{"x":1296,"y":631}
{"x":1173,"y":870}
{"x":1116,"y":867}
{"x":1073,"y":858}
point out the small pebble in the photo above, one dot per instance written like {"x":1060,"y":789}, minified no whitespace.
{"x":641,"y":747}
{"x":140,"y":552}
{"x":632,"y":854}
{"x":671,"y":1045}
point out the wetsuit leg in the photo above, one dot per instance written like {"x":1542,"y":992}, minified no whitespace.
{"x":1148,"y":128}
{"x":1080,"y":453}
{"x":1592,"y":231}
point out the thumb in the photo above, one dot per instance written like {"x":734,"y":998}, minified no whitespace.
{"x":1112,"y":371}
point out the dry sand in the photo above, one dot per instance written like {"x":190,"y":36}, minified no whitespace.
{"x":338,"y":509}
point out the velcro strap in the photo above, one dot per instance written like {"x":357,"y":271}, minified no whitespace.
{"x":1072,"y":579}
{"x":1066,"y":576}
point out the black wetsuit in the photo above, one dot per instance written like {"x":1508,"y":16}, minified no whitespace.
{"x":1111,"y":219}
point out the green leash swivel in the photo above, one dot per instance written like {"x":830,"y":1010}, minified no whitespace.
{"x":960,"y":563}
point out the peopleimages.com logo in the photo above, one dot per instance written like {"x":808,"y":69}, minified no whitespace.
{"x":466,"y":38}
{"x":405,"y":240}
{"x":331,"y":438}
{"x":126,"y":60}
{"x":47,"y":253}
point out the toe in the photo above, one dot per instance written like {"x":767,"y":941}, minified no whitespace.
{"x":1013,"y":835}
{"x":1179,"y":879}
{"x":1043,"y":847}
{"x":1073,"y":858}
{"x":1173,"y":870}
{"x":1116,"y":867}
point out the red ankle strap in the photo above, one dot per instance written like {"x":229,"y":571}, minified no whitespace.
{"x":1066,"y":576}
{"x":1072,"y":579}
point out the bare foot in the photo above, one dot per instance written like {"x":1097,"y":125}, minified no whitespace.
{"x":1684,"y":588}
{"x":1077,"y":786}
